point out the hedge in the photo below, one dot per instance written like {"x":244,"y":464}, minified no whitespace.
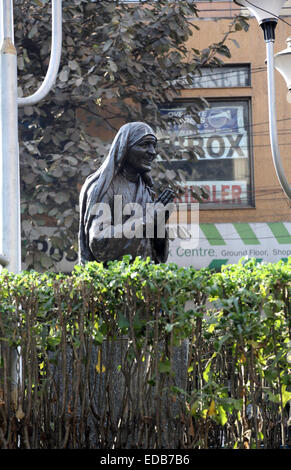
{"x":138,"y":355}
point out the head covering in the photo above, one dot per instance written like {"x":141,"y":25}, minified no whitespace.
{"x":127,"y":136}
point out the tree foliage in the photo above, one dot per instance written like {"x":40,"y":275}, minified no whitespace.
{"x":119,"y":62}
{"x":138,"y":354}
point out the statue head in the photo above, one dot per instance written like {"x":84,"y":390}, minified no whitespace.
{"x":140,"y":155}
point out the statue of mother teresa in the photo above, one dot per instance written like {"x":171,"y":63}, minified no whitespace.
{"x":118,"y":213}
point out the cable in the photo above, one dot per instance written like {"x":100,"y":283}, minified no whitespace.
{"x":233,"y":130}
{"x":245,"y":197}
{"x":226,"y":74}
{"x":232,"y":9}
{"x":243,"y":147}
{"x":257,"y":193}
{"x":245,"y":127}
{"x":228,"y":147}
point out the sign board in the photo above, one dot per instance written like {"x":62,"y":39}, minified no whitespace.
{"x":221,"y":244}
{"x":214,"y":245}
{"x":219,"y":191}
{"x":221,"y":134}
{"x":223,"y":157}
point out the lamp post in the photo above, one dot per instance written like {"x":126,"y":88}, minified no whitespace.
{"x":10,"y":230}
{"x":267,"y":13}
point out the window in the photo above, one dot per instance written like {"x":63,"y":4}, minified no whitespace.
{"x":224,"y":165}
{"x":227,"y":76}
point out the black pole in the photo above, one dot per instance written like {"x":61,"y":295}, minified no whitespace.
{"x":269,"y":26}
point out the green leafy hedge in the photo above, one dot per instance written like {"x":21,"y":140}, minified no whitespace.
{"x":145,"y":355}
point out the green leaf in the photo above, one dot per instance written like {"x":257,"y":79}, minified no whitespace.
{"x":206,"y":372}
{"x":165,"y":366}
{"x":123,"y":322}
{"x":222,"y":415}
{"x":286,"y":396}
{"x":53,"y":341}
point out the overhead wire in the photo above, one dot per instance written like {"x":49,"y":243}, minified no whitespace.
{"x":236,"y":9}
{"x":269,"y":12}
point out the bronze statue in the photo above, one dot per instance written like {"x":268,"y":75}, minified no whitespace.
{"x":115,"y":199}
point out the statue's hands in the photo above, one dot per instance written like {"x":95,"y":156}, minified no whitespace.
{"x":166,"y":197}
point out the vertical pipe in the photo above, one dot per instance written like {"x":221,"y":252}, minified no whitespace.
{"x":273,"y":120}
{"x":10,"y":234}
{"x":10,"y":224}
{"x":10,"y":241}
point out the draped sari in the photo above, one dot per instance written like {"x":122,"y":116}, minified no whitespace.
{"x":100,"y":188}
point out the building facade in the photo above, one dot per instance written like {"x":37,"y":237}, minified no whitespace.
{"x":247,"y":213}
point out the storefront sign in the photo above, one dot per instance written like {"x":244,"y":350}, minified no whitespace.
{"x":220,"y":134}
{"x":221,"y":144}
{"x":234,"y":192}
{"x":227,"y":243}
{"x":213,"y":245}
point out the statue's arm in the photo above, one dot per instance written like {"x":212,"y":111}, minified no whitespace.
{"x":108,"y":241}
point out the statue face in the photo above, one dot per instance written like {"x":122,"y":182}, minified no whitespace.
{"x":140,"y":156}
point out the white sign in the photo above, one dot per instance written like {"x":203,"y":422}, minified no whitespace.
{"x":220,"y":244}
{"x":213,"y":245}
{"x":221,"y":134}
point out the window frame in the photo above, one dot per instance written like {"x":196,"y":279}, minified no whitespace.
{"x":250,"y":185}
{"x":247,"y":65}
